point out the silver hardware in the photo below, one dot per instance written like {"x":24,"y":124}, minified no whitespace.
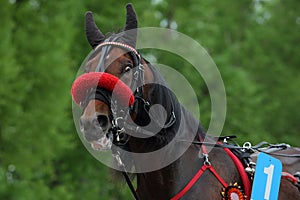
{"x":250,"y":170}
{"x":206,"y":161}
{"x":225,"y":139}
{"x":247,"y":145}
{"x":116,"y":121}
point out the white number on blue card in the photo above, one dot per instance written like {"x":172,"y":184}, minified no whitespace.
{"x":267,"y":178}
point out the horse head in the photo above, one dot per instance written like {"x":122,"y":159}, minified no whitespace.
{"x":116,"y":60}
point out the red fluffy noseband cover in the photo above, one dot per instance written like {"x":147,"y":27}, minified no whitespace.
{"x":103,"y":80}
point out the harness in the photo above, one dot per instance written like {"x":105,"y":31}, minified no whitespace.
{"x":227,"y":189}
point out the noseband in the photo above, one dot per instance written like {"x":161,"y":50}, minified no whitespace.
{"x":120,"y":114}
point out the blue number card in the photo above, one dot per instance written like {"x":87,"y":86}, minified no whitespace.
{"x":267,"y":178}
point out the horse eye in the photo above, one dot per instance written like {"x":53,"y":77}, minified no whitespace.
{"x":127,"y":68}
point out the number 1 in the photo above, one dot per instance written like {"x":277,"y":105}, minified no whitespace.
{"x":269,"y":171}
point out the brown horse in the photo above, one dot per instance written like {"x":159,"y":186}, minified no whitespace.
{"x":139,"y":130}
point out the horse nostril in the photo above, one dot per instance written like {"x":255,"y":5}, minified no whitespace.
{"x":103,"y":121}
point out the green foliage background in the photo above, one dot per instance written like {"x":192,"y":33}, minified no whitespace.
{"x":254,"y":43}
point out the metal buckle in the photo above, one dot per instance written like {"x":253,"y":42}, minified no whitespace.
{"x":206,"y":160}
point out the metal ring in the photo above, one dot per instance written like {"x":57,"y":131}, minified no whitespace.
{"x":247,"y":145}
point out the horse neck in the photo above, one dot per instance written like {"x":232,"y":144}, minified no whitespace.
{"x":166,"y":182}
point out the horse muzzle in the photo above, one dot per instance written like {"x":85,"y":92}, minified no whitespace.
{"x":96,"y":132}
{"x":102,"y":144}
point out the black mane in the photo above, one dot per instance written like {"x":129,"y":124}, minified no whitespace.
{"x":185,"y":127}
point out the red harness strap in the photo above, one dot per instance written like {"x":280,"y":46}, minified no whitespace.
{"x":243,"y":174}
{"x":238,"y":164}
{"x":206,"y":166}
{"x":195,"y":178}
{"x":289,"y":177}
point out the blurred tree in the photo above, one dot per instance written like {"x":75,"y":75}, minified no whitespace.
{"x":220,"y":27}
{"x":10,"y":97}
{"x":252,"y":43}
{"x":271,"y":47}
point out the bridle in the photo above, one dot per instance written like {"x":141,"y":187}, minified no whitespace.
{"x":121,"y":114}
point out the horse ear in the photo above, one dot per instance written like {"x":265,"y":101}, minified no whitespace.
{"x":93,"y":34}
{"x":131,"y":24}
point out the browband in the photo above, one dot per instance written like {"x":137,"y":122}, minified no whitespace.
{"x":118,"y":44}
